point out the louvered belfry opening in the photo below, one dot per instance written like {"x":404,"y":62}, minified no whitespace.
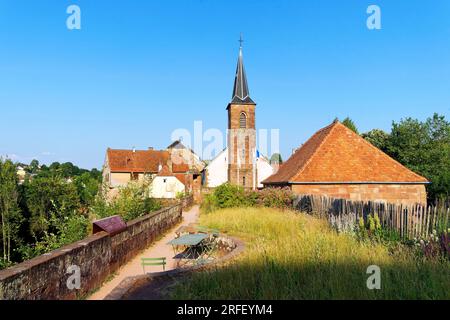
{"x":243,"y":121}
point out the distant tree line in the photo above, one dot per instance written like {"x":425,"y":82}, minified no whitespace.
{"x":54,"y":205}
{"x":48,"y":210}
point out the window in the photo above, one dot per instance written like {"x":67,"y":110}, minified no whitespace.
{"x":243,"y":121}
{"x":243,"y":181}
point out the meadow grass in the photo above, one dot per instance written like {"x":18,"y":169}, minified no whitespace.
{"x":290,"y":255}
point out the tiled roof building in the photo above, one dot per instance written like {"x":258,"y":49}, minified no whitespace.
{"x":339,"y":163}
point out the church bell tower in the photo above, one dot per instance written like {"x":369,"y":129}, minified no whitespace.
{"x":241,"y":131}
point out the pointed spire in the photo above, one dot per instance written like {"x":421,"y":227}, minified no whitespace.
{"x":240,"y":89}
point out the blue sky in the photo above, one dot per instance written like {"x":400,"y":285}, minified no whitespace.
{"x":137,"y":70}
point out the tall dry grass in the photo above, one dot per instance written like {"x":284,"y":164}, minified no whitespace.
{"x":295,"y":256}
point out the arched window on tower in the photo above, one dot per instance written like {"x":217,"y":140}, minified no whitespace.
{"x":243,"y":121}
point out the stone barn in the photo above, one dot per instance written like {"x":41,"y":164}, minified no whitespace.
{"x":338,"y":163}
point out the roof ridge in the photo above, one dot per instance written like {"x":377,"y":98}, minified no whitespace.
{"x":332,"y":125}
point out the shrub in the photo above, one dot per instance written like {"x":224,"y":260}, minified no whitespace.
{"x":229,"y":196}
{"x":69,"y":229}
{"x":132,"y":201}
{"x":232,"y":196}
{"x":276,"y":198}
{"x":371,"y":229}
{"x":434,"y":246}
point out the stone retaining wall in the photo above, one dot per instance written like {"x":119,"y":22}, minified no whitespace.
{"x":45,"y":277}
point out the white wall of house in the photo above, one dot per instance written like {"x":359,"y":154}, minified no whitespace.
{"x":166,"y":187}
{"x":217,"y":170}
{"x":264,"y":170}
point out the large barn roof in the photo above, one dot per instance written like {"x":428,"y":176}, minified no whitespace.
{"x":336,"y":154}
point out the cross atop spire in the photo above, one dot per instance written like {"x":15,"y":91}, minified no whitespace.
{"x":240,"y":90}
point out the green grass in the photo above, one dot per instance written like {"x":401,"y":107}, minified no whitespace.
{"x":295,"y":256}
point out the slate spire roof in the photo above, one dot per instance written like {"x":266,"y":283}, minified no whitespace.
{"x":240,"y":89}
{"x":335,"y":154}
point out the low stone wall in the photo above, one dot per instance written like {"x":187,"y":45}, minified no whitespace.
{"x":185,"y":202}
{"x":45,"y":277}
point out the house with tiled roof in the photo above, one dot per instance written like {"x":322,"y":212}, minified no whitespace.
{"x":166,"y":184}
{"x":122,"y":166}
{"x":339,"y":163}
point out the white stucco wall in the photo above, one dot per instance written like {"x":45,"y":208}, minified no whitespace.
{"x":264,"y":170}
{"x":166,"y":187}
{"x":217,"y":170}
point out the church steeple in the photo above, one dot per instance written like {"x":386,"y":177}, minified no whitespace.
{"x":240,"y":89}
{"x":241,"y":135}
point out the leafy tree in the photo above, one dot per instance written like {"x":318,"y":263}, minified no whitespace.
{"x":132,"y":201}
{"x":276,"y":158}
{"x":378,"y":138}
{"x":54,"y":166}
{"x":350,"y":124}
{"x":11,"y":217}
{"x":87,"y":188}
{"x":48,"y":197}
{"x":424,"y":147}
{"x":34,"y":166}
{"x":96,"y":174}
{"x":67,"y":230}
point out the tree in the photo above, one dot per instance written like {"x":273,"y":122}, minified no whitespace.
{"x":424,"y":147}
{"x":276,"y":158}
{"x":350,"y":124}
{"x":47,"y":197}
{"x":378,"y":138}
{"x":11,"y":217}
{"x":87,"y":188}
{"x":33,"y":167}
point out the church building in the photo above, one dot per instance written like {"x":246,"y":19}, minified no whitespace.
{"x":240,"y":163}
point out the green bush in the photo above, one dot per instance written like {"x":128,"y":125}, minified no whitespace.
{"x":69,"y":229}
{"x":276,"y":198}
{"x":133,"y":201}
{"x":232,"y":196}
{"x":4,"y":264}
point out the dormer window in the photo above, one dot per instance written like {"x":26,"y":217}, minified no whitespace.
{"x":243,"y":121}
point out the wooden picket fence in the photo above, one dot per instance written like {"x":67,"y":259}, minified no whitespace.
{"x":413,"y":221}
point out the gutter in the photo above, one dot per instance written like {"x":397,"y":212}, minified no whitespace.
{"x":343,"y":182}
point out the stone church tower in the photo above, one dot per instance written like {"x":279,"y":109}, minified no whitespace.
{"x":241,"y":132}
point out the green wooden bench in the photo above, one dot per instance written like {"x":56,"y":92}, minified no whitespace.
{"x":153,"y":262}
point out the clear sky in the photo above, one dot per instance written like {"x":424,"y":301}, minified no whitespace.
{"x":137,"y":70}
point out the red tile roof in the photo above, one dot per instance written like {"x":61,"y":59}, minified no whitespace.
{"x":181,"y":177}
{"x":165,"y":172}
{"x":337,"y":154}
{"x":180,"y":167}
{"x":138,"y":161}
